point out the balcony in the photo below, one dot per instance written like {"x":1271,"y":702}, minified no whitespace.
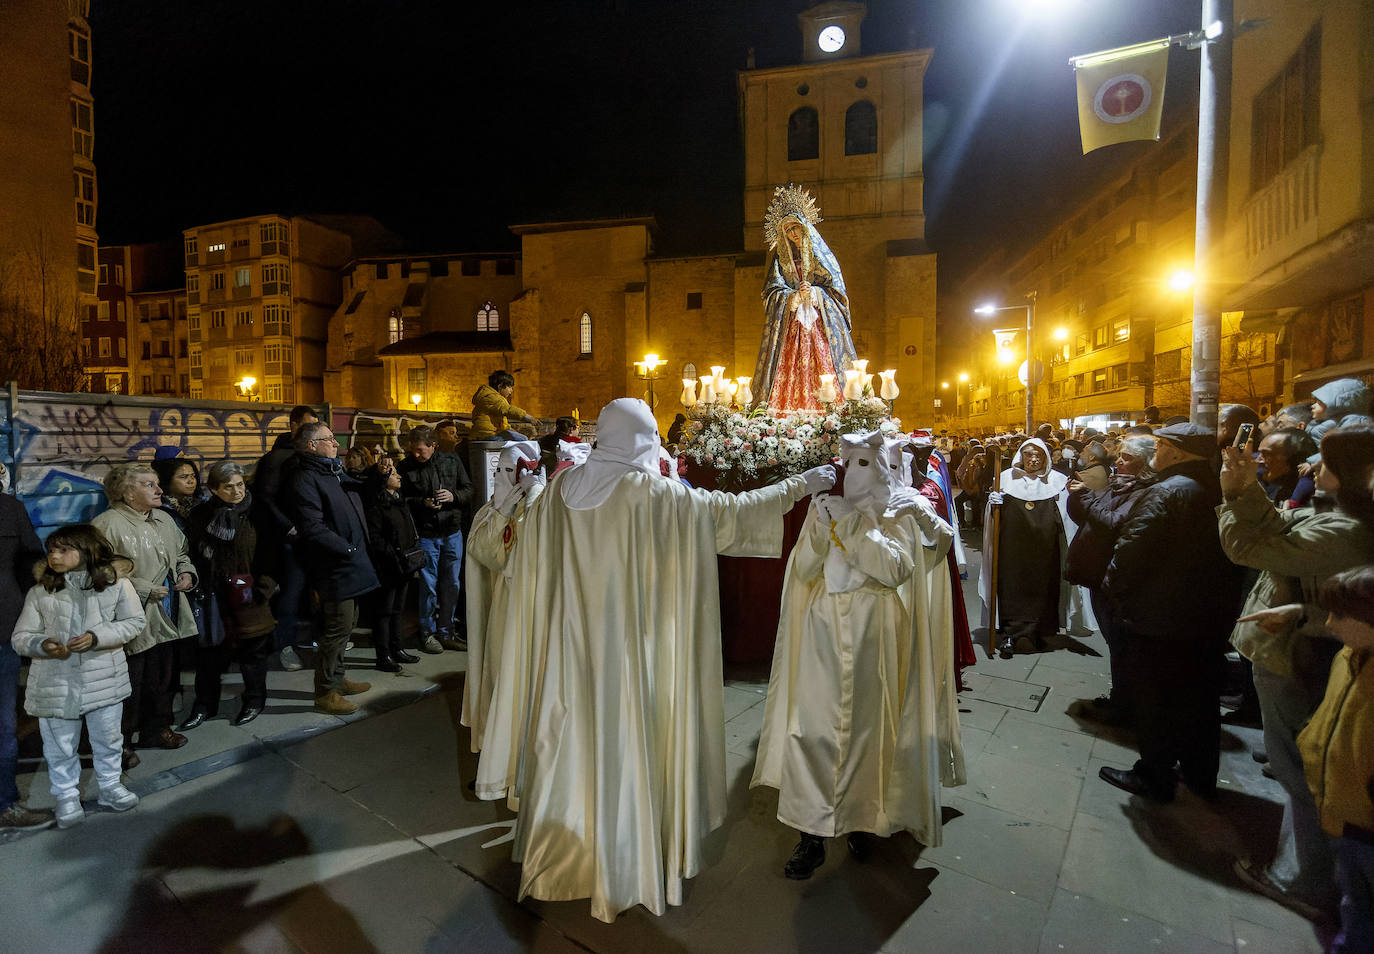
{"x":1281,"y":218}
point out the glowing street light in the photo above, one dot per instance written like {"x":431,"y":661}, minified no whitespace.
{"x":1061,"y":334}
{"x":1181,"y":279}
{"x":963,"y":376}
{"x":648,"y":370}
{"x":1004,"y":354}
{"x":246,"y":384}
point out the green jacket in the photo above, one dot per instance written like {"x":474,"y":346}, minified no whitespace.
{"x":158,"y":551}
{"x":1295,"y":550}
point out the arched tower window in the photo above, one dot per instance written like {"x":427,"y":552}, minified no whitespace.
{"x":689,"y":370}
{"x":395,"y":328}
{"x":861,"y":129}
{"x":488,"y":318}
{"x":803,"y":135}
{"x":584,"y":334}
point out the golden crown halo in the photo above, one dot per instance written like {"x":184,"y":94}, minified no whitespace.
{"x":787,"y":201}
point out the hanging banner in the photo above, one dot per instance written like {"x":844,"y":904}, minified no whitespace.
{"x":1006,"y":337}
{"x":1121,"y":93}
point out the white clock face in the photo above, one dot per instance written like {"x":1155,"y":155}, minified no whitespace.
{"x":831,"y":39}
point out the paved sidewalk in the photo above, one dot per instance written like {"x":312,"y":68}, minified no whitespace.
{"x":283,"y":836}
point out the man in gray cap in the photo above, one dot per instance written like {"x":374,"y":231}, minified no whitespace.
{"x":1174,"y":596}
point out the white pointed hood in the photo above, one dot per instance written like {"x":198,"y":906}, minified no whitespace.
{"x":626,"y":443}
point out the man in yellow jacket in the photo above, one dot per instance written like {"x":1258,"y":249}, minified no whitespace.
{"x":491,"y":407}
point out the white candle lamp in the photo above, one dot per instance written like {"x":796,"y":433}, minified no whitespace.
{"x":744,"y":395}
{"x":708,"y":394}
{"x":860,"y":365}
{"x":689,"y":392}
{"x":889,"y":390}
{"x":826,"y":392}
{"x":853,"y":384}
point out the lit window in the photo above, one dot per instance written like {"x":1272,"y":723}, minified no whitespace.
{"x":584,"y":336}
{"x":103,"y":347}
{"x":274,"y":393}
{"x":217,"y":247}
{"x":1121,"y":329}
{"x":395,"y":328}
{"x":114,"y":383}
{"x":488,"y":318}
{"x":416,"y":380}
{"x":242,"y":276}
{"x":689,"y":370}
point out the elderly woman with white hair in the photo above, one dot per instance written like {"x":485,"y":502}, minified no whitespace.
{"x":138,"y":528}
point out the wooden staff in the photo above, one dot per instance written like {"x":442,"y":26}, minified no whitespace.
{"x":992,"y":559}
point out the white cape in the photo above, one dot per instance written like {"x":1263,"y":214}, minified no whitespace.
{"x":622,"y":768}
{"x":861,"y":725}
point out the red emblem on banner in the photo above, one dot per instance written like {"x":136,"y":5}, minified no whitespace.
{"x":1122,"y":98}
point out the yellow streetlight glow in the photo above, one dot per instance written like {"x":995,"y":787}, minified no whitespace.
{"x":1181,"y":279}
{"x":945,"y":385}
{"x":963,"y":376}
{"x":416,"y":399}
{"x":246,"y":383}
{"x":1061,"y":334}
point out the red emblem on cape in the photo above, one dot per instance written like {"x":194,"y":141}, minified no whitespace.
{"x":508,"y":535}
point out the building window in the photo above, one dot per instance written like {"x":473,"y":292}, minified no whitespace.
{"x":694,"y":301}
{"x":395,"y":328}
{"x":83,"y":130}
{"x":79,"y":49}
{"x":471,"y":266}
{"x":1101,"y":336}
{"x":193,"y":283}
{"x":1120,"y":376}
{"x":1249,"y":348}
{"x":185,"y":383}
{"x":584,"y":334}
{"x":219,"y":359}
{"x":803,"y":135}
{"x":1286,"y":115}
{"x":1121,"y":330}
{"x":194,"y":359}
{"x":240,"y":243}
{"x":405,"y":269}
{"x":861,"y":129}
{"x":147,"y":384}
{"x":382,"y":270}
{"x":103,"y":347}
{"x":272,"y":232}
{"x":243,"y":356}
{"x":242,"y":277}
{"x":1080,"y":343}
{"x":114,"y":383}
{"x":147,"y":350}
{"x":217,"y":318}
{"x":244,"y":316}
{"x":689,"y":370}
{"x":217,"y":247}
{"x":274,"y":393}
{"x":84,"y":184}
{"x":217,"y":281}
{"x":416,"y":380}
{"x":277,"y":318}
{"x":488,"y":318}
{"x":194,"y":323}
{"x":85,"y":257}
{"x":105,"y":280}
{"x":275,"y":272}
{"x":165,"y":383}
{"x":123,"y":347}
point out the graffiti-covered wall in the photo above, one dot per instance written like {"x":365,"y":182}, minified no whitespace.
{"x":58,"y":447}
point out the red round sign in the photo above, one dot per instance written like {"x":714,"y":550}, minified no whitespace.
{"x":1122,"y":98}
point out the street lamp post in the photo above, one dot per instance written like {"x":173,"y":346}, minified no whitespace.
{"x":247,"y":386}
{"x":1029,"y":306}
{"x":648,"y":370}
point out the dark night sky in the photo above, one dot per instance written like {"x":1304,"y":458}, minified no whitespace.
{"x":449,"y":120}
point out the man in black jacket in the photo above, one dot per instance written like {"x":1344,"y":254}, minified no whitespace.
{"x":276,"y":528}
{"x":331,"y":532}
{"x":1173,"y":595}
{"x":435,"y":485}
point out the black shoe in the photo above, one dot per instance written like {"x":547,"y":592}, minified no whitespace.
{"x":1260,"y":756}
{"x":246,"y":715}
{"x":1135,"y":783}
{"x":806,"y":858}
{"x":401,"y":656}
{"x":193,"y":720}
{"x":129,"y":758}
{"x":386,"y":665}
{"x":860,"y":844}
{"x":1006,"y":648}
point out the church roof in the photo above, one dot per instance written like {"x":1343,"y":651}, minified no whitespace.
{"x":450,"y":342}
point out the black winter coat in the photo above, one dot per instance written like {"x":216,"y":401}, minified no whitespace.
{"x":1169,"y":578}
{"x":391,"y":532}
{"x":19,"y":550}
{"x":1100,"y":516}
{"x":331,"y":529}
{"x":420,"y":481}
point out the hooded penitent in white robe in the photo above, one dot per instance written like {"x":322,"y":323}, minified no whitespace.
{"x":861,"y":726}
{"x":622,"y":770}
{"x":494,"y":533}
{"x":1019,"y":488}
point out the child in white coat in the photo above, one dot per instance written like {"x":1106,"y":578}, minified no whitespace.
{"x":74,"y":625}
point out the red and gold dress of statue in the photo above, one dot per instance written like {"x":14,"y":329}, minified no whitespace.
{"x":804,"y":358}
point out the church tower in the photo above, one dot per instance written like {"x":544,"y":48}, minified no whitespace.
{"x":847,"y":127}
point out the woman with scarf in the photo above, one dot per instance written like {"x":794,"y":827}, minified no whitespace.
{"x":391,"y":536}
{"x":179,"y":478}
{"x":1031,"y":595}
{"x":238,"y":619}
{"x":807,"y":332}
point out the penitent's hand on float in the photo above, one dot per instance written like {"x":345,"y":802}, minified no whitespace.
{"x":819,"y":479}
{"x":995,"y":498}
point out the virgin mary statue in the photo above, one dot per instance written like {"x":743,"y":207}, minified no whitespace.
{"x":807,"y":332}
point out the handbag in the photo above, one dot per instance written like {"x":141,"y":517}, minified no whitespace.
{"x":238,"y":591}
{"x":411,"y":560}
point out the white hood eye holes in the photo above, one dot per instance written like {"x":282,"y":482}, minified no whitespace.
{"x":863,"y":462}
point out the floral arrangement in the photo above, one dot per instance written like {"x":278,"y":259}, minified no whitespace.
{"x":753,"y":446}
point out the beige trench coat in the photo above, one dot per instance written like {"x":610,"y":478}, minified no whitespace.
{"x":159,"y":551}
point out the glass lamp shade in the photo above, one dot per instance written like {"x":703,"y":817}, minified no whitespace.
{"x":689,"y":392}
{"x":708,"y":394}
{"x":826,"y":393}
{"x":853,"y":385}
{"x":889,"y":390}
{"x":744,"y":395}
